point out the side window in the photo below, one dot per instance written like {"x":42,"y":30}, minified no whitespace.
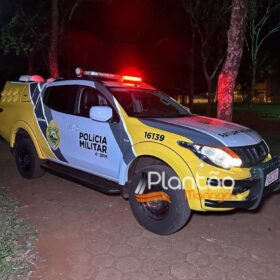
{"x":62,"y":98}
{"x":90,"y":97}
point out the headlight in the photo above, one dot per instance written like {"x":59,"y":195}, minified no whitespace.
{"x":220,"y":156}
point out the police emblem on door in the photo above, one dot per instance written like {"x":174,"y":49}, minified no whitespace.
{"x":53,"y":135}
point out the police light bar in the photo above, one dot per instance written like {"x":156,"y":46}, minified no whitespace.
{"x":80,"y":73}
{"x":33,"y":78}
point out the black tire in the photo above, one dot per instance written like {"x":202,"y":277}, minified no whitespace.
{"x":160,"y":217}
{"x":27,"y":161}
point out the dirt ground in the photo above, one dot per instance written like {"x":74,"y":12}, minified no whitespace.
{"x":85,"y":235}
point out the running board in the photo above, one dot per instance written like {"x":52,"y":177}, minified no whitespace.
{"x":84,"y":178}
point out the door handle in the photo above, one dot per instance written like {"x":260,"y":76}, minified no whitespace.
{"x":74,"y":127}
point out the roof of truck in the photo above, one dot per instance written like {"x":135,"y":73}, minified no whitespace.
{"x":107,"y":79}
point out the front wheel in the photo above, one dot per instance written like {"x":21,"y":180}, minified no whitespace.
{"x":158,"y":207}
{"x":27,"y":161}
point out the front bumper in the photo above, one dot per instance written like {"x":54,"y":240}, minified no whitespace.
{"x":256,"y":185}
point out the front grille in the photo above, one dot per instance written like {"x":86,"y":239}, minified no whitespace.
{"x":252,"y":155}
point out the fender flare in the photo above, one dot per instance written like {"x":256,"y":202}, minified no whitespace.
{"x":23,"y":125}
{"x":172,"y":159}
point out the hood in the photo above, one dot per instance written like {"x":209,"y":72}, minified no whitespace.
{"x":207,"y":131}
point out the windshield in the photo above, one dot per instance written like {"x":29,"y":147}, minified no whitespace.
{"x":148,"y":104}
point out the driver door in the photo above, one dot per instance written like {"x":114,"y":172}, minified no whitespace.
{"x":95,"y":147}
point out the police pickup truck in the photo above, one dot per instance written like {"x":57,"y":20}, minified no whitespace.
{"x":119,"y":135}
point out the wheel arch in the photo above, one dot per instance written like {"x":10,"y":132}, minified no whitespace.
{"x":141,"y":161}
{"x":22,"y":130}
{"x":154,"y":153}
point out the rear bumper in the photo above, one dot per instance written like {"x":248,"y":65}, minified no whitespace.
{"x":257,"y":187}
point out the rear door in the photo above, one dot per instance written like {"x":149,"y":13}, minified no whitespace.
{"x":59,"y":104}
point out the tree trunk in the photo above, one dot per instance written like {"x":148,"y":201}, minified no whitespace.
{"x":227,"y":77}
{"x":191,"y":93}
{"x":209,"y":103}
{"x":53,"y":51}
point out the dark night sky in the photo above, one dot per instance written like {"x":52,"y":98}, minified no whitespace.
{"x":145,"y":37}
{"x":136,"y":36}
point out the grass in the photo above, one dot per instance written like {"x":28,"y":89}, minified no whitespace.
{"x":16,"y":240}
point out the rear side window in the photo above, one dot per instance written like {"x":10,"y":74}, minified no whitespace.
{"x":62,"y":98}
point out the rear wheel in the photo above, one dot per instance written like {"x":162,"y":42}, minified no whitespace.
{"x":27,"y":161}
{"x":158,"y":207}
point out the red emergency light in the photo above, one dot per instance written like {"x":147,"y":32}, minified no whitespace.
{"x":126,"y":78}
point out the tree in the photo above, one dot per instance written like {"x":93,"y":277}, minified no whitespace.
{"x":23,"y":34}
{"x":189,"y":9}
{"x":227,"y":77}
{"x":54,"y":35}
{"x":29,"y":31}
{"x":262,"y":24}
{"x":209,"y":19}
{"x":61,"y":13}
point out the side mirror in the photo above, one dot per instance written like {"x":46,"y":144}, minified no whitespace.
{"x":101,"y":113}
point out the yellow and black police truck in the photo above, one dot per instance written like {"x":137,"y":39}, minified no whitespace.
{"x":119,"y":135}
